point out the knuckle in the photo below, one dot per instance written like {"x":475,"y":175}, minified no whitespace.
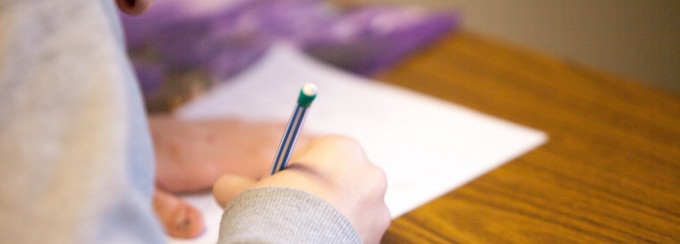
{"x":385,"y":219}
{"x":386,"y":224}
{"x":379,"y":178}
{"x":341,"y":141}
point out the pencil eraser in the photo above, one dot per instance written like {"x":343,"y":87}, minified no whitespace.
{"x":307,"y":95}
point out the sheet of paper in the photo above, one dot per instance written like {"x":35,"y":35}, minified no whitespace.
{"x":426,"y":146}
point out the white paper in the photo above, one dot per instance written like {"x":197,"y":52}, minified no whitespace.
{"x":426,"y":146}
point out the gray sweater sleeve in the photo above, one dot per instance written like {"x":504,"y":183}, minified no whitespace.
{"x":283,"y":215}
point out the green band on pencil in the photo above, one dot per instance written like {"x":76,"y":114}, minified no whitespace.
{"x":307,"y":95}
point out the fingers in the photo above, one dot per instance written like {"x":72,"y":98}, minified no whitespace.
{"x":228,"y":186}
{"x":134,"y":7}
{"x":180,"y":219}
{"x":358,"y":186}
{"x":333,"y":152}
{"x":372,"y":198}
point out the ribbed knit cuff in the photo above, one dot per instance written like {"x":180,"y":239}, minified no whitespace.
{"x":283,"y":215}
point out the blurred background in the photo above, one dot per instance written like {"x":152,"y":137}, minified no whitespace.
{"x":636,"y":39}
{"x":181,"y":48}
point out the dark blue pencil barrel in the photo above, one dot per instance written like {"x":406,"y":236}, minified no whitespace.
{"x":290,"y":136}
{"x":285,"y":151}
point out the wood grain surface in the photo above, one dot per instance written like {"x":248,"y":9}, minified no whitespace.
{"x":609,"y":173}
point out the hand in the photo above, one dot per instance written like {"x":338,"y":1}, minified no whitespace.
{"x":179,"y":219}
{"x":192,"y":155}
{"x":335,"y":169}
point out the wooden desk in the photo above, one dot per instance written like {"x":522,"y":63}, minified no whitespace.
{"x":610,"y":171}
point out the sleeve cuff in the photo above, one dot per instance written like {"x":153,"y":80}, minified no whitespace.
{"x":283,"y":215}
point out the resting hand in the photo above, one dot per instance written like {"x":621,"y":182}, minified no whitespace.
{"x":192,"y":155}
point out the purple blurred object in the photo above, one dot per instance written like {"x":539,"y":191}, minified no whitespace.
{"x":223,"y":39}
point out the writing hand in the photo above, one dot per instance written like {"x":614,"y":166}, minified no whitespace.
{"x":335,"y":169}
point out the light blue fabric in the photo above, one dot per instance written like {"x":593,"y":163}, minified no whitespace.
{"x":77,"y":160}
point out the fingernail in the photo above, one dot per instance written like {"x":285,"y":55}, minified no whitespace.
{"x":181,"y":220}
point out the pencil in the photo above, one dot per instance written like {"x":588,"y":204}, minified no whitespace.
{"x":290,"y":135}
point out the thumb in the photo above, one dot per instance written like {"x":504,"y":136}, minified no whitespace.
{"x":228,"y":186}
